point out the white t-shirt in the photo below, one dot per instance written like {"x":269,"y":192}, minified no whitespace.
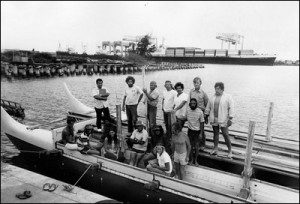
{"x":140,"y":135}
{"x":132,"y":95}
{"x":181,"y":113}
{"x":169,"y":97}
{"x":164,"y":158}
{"x":99,"y":103}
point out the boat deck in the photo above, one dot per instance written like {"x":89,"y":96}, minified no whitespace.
{"x":16,"y":180}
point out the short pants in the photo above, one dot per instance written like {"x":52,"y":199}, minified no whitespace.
{"x":180,"y":158}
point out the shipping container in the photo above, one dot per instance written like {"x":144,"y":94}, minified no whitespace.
{"x":246,"y":52}
{"x":233,"y":52}
{"x":209,"y":53}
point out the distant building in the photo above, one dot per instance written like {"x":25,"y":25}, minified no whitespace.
{"x":288,"y":62}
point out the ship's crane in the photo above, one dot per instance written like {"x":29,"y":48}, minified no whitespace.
{"x":231,"y":38}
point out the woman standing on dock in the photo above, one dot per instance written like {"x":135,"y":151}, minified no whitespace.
{"x":180,"y":104}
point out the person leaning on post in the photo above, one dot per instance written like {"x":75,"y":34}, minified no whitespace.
{"x":152,"y":101}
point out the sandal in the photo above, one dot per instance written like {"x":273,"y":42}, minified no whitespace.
{"x":52,"y":187}
{"x":68,"y":188}
{"x":24,"y":195}
{"x":27,"y":194}
{"x":230,"y":155}
{"x":46,"y":186}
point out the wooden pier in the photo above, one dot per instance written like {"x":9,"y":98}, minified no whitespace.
{"x":16,"y":180}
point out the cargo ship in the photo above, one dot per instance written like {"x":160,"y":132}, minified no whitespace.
{"x":215,"y":56}
{"x":194,"y":55}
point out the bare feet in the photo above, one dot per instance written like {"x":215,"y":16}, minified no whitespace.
{"x":229,"y":155}
{"x":214,"y":151}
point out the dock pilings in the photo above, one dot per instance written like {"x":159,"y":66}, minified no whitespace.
{"x":247,"y":172}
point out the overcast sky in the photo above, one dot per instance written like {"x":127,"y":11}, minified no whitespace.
{"x":267,"y":27}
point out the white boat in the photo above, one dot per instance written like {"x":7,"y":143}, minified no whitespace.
{"x":201,"y":185}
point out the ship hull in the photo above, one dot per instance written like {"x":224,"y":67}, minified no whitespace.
{"x":265,"y":61}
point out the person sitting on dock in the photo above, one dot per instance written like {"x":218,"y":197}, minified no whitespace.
{"x":132,"y":97}
{"x":162,"y":164}
{"x":108,"y":129}
{"x":219,"y":111}
{"x":195,"y":123}
{"x":157,"y":137}
{"x":83,"y":142}
{"x":100,"y":95}
{"x":167,"y":106}
{"x":68,"y":137}
{"x":112,"y":149}
{"x":152,"y":101}
{"x":139,"y":143}
{"x":180,"y":104}
{"x":181,"y":148}
{"x":202,"y":100}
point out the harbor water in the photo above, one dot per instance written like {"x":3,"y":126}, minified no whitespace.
{"x":252,"y":89}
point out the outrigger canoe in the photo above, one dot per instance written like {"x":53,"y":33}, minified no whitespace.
{"x":127,"y":183}
{"x":276,"y":161}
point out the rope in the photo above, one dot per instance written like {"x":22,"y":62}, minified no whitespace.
{"x":82,"y":174}
{"x":69,"y":188}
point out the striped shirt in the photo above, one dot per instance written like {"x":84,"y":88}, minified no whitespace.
{"x":194,"y":118}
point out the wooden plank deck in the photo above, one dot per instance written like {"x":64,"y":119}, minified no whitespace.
{"x":16,"y":180}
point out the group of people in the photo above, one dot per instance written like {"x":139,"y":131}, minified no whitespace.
{"x":179,"y":108}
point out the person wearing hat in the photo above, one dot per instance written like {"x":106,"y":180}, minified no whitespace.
{"x":139,"y":141}
{"x":163,"y":163}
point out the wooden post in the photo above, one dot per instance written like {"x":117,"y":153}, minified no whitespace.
{"x":144,"y":86}
{"x":119,"y":127}
{"x":247,"y":172}
{"x":268,"y":132}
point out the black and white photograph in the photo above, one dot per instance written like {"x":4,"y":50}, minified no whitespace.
{"x":149,"y":101}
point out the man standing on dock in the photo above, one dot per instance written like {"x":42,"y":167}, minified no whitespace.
{"x":167,"y":106}
{"x":132,"y":97}
{"x":219,"y":110}
{"x":152,"y":101}
{"x":100,"y":95}
{"x":202,"y":100}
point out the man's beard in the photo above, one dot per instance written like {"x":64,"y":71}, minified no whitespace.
{"x":193,"y":107}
